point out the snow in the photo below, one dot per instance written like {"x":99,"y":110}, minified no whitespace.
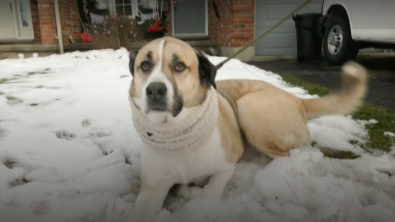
{"x":69,"y":152}
{"x":391,"y":135}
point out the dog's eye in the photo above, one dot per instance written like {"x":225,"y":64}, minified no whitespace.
{"x":145,"y":66}
{"x":180,"y":67}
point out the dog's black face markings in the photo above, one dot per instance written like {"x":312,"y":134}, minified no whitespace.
{"x":175,"y":58}
{"x":207,"y":71}
{"x":177,"y":65}
{"x":147,"y":65}
{"x":149,"y":55}
{"x":132,"y":57}
{"x":177,"y":105}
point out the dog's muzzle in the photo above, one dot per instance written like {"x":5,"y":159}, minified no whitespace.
{"x":156,"y":96}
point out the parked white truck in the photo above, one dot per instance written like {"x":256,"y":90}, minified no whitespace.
{"x":350,"y":25}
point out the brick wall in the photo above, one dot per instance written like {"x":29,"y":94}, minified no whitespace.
{"x":243,"y":22}
{"x":44,"y":23}
{"x":69,"y":20}
{"x":46,"y":17}
{"x":235,"y":27}
{"x":169,"y":20}
{"x":35,"y":21}
{"x":221,"y":28}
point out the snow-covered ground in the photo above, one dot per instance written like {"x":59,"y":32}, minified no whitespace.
{"x":69,"y":152}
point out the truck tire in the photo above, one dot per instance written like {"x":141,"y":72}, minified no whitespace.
{"x":338,"y":44}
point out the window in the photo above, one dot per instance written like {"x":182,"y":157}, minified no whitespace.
{"x":123,"y":7}
{"x":24,"y":13}
{"x":147,"y":3}
{"x":142,"y":8}
{"x":148,"y":8}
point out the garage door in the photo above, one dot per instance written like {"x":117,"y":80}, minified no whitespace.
{"x":282,"y":41}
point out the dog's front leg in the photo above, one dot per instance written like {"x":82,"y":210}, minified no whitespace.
{"x":214,"y":188}
{"x":217,"y":183}
{"x":149,"y":201}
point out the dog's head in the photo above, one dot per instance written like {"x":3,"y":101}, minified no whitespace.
{"x":169,"y":76}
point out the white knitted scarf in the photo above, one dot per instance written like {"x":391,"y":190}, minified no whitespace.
{"x":186,"y":136}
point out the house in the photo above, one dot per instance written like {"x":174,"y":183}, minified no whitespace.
{"x":227,"y":25}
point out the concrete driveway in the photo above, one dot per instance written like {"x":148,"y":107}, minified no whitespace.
{"x":381,"y":71}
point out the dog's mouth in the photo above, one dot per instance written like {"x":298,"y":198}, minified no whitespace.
{"x":157,"y":109}
{"x":159,"y":106}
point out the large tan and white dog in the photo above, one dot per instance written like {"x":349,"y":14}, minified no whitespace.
{"x":196,"y":129}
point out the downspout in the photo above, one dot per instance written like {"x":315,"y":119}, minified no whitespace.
{"x":58,"y":27}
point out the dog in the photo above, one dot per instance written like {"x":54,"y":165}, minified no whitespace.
{"x":196,"y":129}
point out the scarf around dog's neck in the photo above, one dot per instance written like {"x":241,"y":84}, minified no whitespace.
{"x":188,"y":135}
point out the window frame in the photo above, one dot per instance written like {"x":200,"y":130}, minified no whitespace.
{"x":133,"y":4}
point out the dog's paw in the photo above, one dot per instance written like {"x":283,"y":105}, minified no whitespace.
{"x":189,"y":192}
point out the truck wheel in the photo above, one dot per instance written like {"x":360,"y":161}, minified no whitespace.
{"x":338,"y":44}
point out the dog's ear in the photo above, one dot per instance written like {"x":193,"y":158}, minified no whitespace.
{"x":206,"y":69}
{"x":132,"y":57}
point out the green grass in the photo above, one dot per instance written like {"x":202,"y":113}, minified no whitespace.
{"x":386,"y":123}
{"x":384,"y":116}
{"x":310,"y":87}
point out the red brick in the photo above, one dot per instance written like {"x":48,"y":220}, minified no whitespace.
{"x":69,"y":20}
{"x":46,"y":21}
{"x":236,"y":26}
{"x":246,"y":31}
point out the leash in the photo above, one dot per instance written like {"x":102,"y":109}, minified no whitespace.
{"x":218,"y":66}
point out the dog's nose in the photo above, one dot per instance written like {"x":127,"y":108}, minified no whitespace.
{"x":156,"y":91}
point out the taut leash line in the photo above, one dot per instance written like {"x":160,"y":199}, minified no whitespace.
{"x":218,"y":66}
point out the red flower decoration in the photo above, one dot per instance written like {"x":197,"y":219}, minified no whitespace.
{"x":154,"y":28}
{"x":155,"y":25}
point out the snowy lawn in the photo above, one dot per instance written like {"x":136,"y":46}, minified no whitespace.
{"x":69,"y":152}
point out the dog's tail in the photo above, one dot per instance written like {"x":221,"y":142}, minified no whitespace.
{"x":343,"y":100}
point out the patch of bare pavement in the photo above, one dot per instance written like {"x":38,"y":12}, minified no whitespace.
{"x":381,"y":71}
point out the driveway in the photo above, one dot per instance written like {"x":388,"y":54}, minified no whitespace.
{"x":381,"y":71}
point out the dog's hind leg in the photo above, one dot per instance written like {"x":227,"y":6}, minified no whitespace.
{"x":273,"y":122}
